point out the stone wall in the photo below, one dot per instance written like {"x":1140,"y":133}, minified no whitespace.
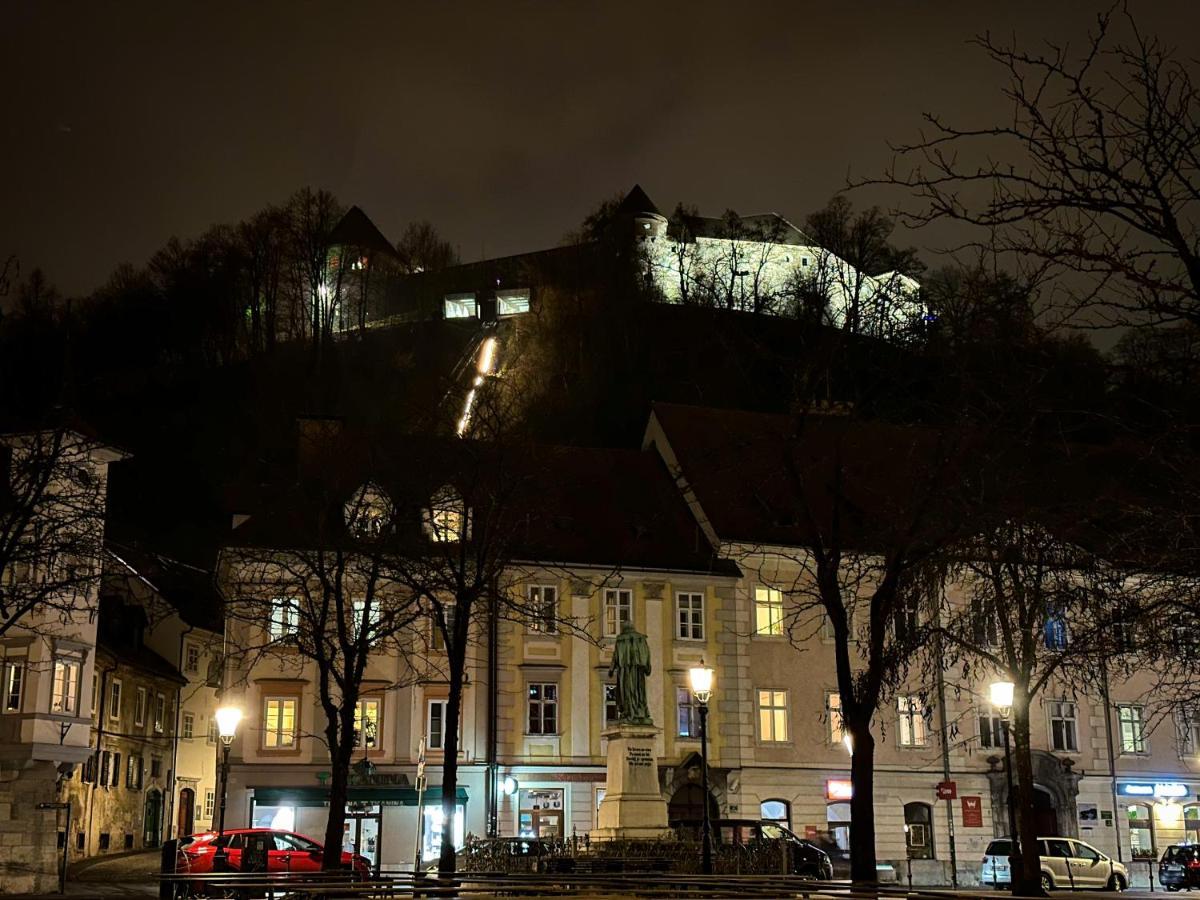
{"x":29,"y":836}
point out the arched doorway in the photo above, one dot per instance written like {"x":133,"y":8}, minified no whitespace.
{"x":687,"y":805}
{"x":152,"y":832}
{"x":187,"y":811}
{"x":1045,"y":817}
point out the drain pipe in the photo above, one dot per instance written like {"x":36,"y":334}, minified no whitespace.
{"x":941,"y":688}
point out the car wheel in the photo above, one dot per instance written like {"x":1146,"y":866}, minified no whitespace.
{"x":1047,"y":882}
{"x":1116,"y":883}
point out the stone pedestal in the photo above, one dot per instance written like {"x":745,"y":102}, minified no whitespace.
{"x":633,"y":807}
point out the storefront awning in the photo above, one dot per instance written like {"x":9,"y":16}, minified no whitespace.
{"x":383,"y":795}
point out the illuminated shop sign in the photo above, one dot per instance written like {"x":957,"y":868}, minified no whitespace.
{"x":1152,"y":789}
{"x":838,"y":789}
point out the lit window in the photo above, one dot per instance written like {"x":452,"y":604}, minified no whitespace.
{"x":64,"y":697}
{"x":1063,"y":727}
{"x":139,"y":706}
{"x":772,"y":715}
{"x":366,"y":723}
{"x":689,"y":617}
{"x":431,"y":842}
{"x":912,"y":720}
{"x":833,"y":714}
{"x":114,"y":699}
{"x":1056,"y":634}
{"x":1133,"y":728}
{"x":991,"y":729}
{"x":210,"y":802}
{"x":618,"y":610}
{"x":188,"y":725}
{"x":459,"y":306}
{"x":446,"y":518}
{"x":279,"y":722}
{"x":285,"y":619}
{"x":543,"y":708}
{"x":512,"y":302}
{"x":372,"y":617}
{"x":688,"y":713}
{"x":610,"y":714}
{"x":160,"y":712}
{"x":768,"y":611}
{"x":11,"y":686}
{"x":191,"y":658}
{"x":543,"y":603}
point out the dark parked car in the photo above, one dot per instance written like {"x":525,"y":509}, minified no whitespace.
{"x":1180,"y":867}
{"x":807,"y":858}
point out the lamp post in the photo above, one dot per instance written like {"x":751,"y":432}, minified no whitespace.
{"x":1002,"y":702}
{"x":701,"y":678}
{"x":228,"y":718}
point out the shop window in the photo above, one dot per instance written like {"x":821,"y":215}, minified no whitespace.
{"x":279,"y":818}
{"x":1141,"y":830}
{"x":918,"y":830}
{"x":431,"y":839}
{"x":1191,"y":823}
{"x":540,"y":813}
{"x":778,"y":811}
{"x":837,"y":817}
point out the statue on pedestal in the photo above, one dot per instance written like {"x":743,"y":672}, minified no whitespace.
{"x":631,"y":665}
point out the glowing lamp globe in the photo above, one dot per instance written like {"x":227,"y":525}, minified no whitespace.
{"x":228,"y":718}
{"x":701,"y":678}
{"x":1002,"y":695}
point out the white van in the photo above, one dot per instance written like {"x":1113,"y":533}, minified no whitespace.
{"x":1065,"y":862}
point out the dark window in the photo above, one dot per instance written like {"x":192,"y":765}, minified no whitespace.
{"x":998,"y":848}
{"x":79,"y":839}
{"x":129,"y":842}
{"x":104,"y":840}
{"x":155,"y":767}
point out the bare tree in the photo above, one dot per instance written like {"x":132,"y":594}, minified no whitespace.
{"x":327,"y":601}
{"x":423,"y":249}
{"x":1096,"y":176}
{"x":52,"y":504}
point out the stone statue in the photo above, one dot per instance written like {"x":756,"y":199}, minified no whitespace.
{"x":631,"y":664}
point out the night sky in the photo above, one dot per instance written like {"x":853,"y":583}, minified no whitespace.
{"x":502,"y":123}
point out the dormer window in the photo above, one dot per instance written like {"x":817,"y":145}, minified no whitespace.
{"x":368,"y":512}
{"x":446,"y":518}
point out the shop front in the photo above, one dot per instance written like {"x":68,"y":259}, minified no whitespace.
{"x":381,"y":820}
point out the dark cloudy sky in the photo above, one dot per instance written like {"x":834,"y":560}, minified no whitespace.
{"x":502,"y":123}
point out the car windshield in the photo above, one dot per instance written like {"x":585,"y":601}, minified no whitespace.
{"x":999,"y":848}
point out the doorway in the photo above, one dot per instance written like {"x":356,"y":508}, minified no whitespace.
{"x":1045,"y":817}
{"x":152,"y":832}
{"x":362,"y":830}
{"x":187,"y":812}
{"x":687,"y":805}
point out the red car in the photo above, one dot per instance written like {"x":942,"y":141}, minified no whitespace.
{"x":286,"y":852}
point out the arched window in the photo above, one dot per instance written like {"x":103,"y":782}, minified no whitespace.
{"x":1141,"y":830}
{"x":779,"y":811}
{"x":837,"y":816}
{"x":446,"y":517}
{"x":1191,"y":823}
{"x":918,"y":830}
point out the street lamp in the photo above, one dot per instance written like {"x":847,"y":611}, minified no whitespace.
{"x":228,"y":718}
{"x":701,"y":678}
{"x":1002,"y":702}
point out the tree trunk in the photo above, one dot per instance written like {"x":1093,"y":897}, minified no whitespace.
{"x":862,"y":801}
{"x":457,"y":659}
{"x":339,"y":782}
{"x":1027,"y":882}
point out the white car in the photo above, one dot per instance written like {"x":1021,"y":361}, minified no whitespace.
{"x":1065,"y":862}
